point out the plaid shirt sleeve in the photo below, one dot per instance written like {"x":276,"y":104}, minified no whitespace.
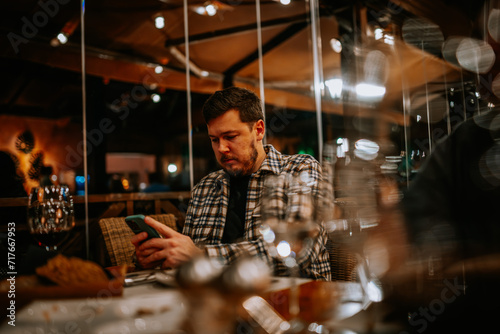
{"x":205,"y":217}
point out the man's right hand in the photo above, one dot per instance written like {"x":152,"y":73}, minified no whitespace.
{"x":169,"y":252}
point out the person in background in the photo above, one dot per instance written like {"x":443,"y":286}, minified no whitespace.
{"x":451,"y":222}
{"x":452,"y":205}
{"x":222,"y":219}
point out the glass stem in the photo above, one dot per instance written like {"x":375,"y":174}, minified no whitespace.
{"x":294,"y":302}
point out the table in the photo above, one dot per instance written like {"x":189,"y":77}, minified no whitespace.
{"x":162,"y":308}
{"x":147,"y":308}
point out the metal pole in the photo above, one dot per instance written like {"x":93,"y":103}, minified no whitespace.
{"x":261,"y":65}
{"x":316,"y":48}
{"x":188,"y":95}
{"x":84,"y":130}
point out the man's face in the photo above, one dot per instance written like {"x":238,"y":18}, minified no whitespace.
{"x":234,"y":143}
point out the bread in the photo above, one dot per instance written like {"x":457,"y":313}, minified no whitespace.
{"x":66,"y":271}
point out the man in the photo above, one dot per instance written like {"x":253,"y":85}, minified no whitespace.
{"x":223,"y":217}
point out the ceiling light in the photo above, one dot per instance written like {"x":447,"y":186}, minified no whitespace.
{"x":334,"y":87}
{"x":211,"y":10}
{"x":172,"y":168}
{"x":158,"y":69}
{"x":155,"y":98}
{"x":285,"y":2}
{"x":66,"y":32}
{"x":159,"y":22}
{"x":389,"y":39}
{"x":380,"y":34}
{"x":336,"y":45}
{"x":342,"y":147}
{"x":62,"y":38}
{"x":366,"y":90}
{"x":200,"y":10}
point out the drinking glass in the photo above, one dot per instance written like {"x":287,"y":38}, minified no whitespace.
{"x":289,"y":229}
{"x":50,"y":215}
{"x":348,"y":221}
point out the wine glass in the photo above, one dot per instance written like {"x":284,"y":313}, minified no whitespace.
{"x":289,"y":229}
{"x":50,"y":215}
{"x":348,"y":220}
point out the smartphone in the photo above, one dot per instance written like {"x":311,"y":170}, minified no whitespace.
{"x":137,"y":225}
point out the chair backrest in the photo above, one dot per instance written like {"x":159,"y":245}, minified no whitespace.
{"x":342,"y":262}
{"x":117,"y":234}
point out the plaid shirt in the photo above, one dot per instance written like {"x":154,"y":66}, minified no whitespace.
{"x":208,"y":208}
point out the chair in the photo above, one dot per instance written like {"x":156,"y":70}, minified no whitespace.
{"x":117,"y":234}
{"x":342,"y":262}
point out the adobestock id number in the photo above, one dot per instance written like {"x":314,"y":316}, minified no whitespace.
{"x":11,"y":246}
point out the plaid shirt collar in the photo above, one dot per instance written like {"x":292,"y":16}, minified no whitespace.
{"x":273,"y":161}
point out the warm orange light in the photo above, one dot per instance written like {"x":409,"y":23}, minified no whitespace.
{"x":125,"y":184}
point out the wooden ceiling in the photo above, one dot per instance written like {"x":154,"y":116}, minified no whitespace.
{"x":122,"y":44}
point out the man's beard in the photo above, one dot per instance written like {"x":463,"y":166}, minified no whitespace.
{"x":247,"y":166}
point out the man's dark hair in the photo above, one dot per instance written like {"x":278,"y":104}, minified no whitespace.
{"x":245,"y":101}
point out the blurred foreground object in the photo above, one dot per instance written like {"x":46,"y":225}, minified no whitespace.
{"x":215,"y":293}
{"x":452,"y":218}
{"x":452,"y":205}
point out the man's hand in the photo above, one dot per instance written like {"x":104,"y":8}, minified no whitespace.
{"x":169,"y":252}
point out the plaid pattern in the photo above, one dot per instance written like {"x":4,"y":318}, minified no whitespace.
{"x":208,"y":207}
{"x":117,"y":236}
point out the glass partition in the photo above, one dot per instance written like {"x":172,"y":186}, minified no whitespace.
{"x":40,"y":110}
{"x":123,"y":114}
